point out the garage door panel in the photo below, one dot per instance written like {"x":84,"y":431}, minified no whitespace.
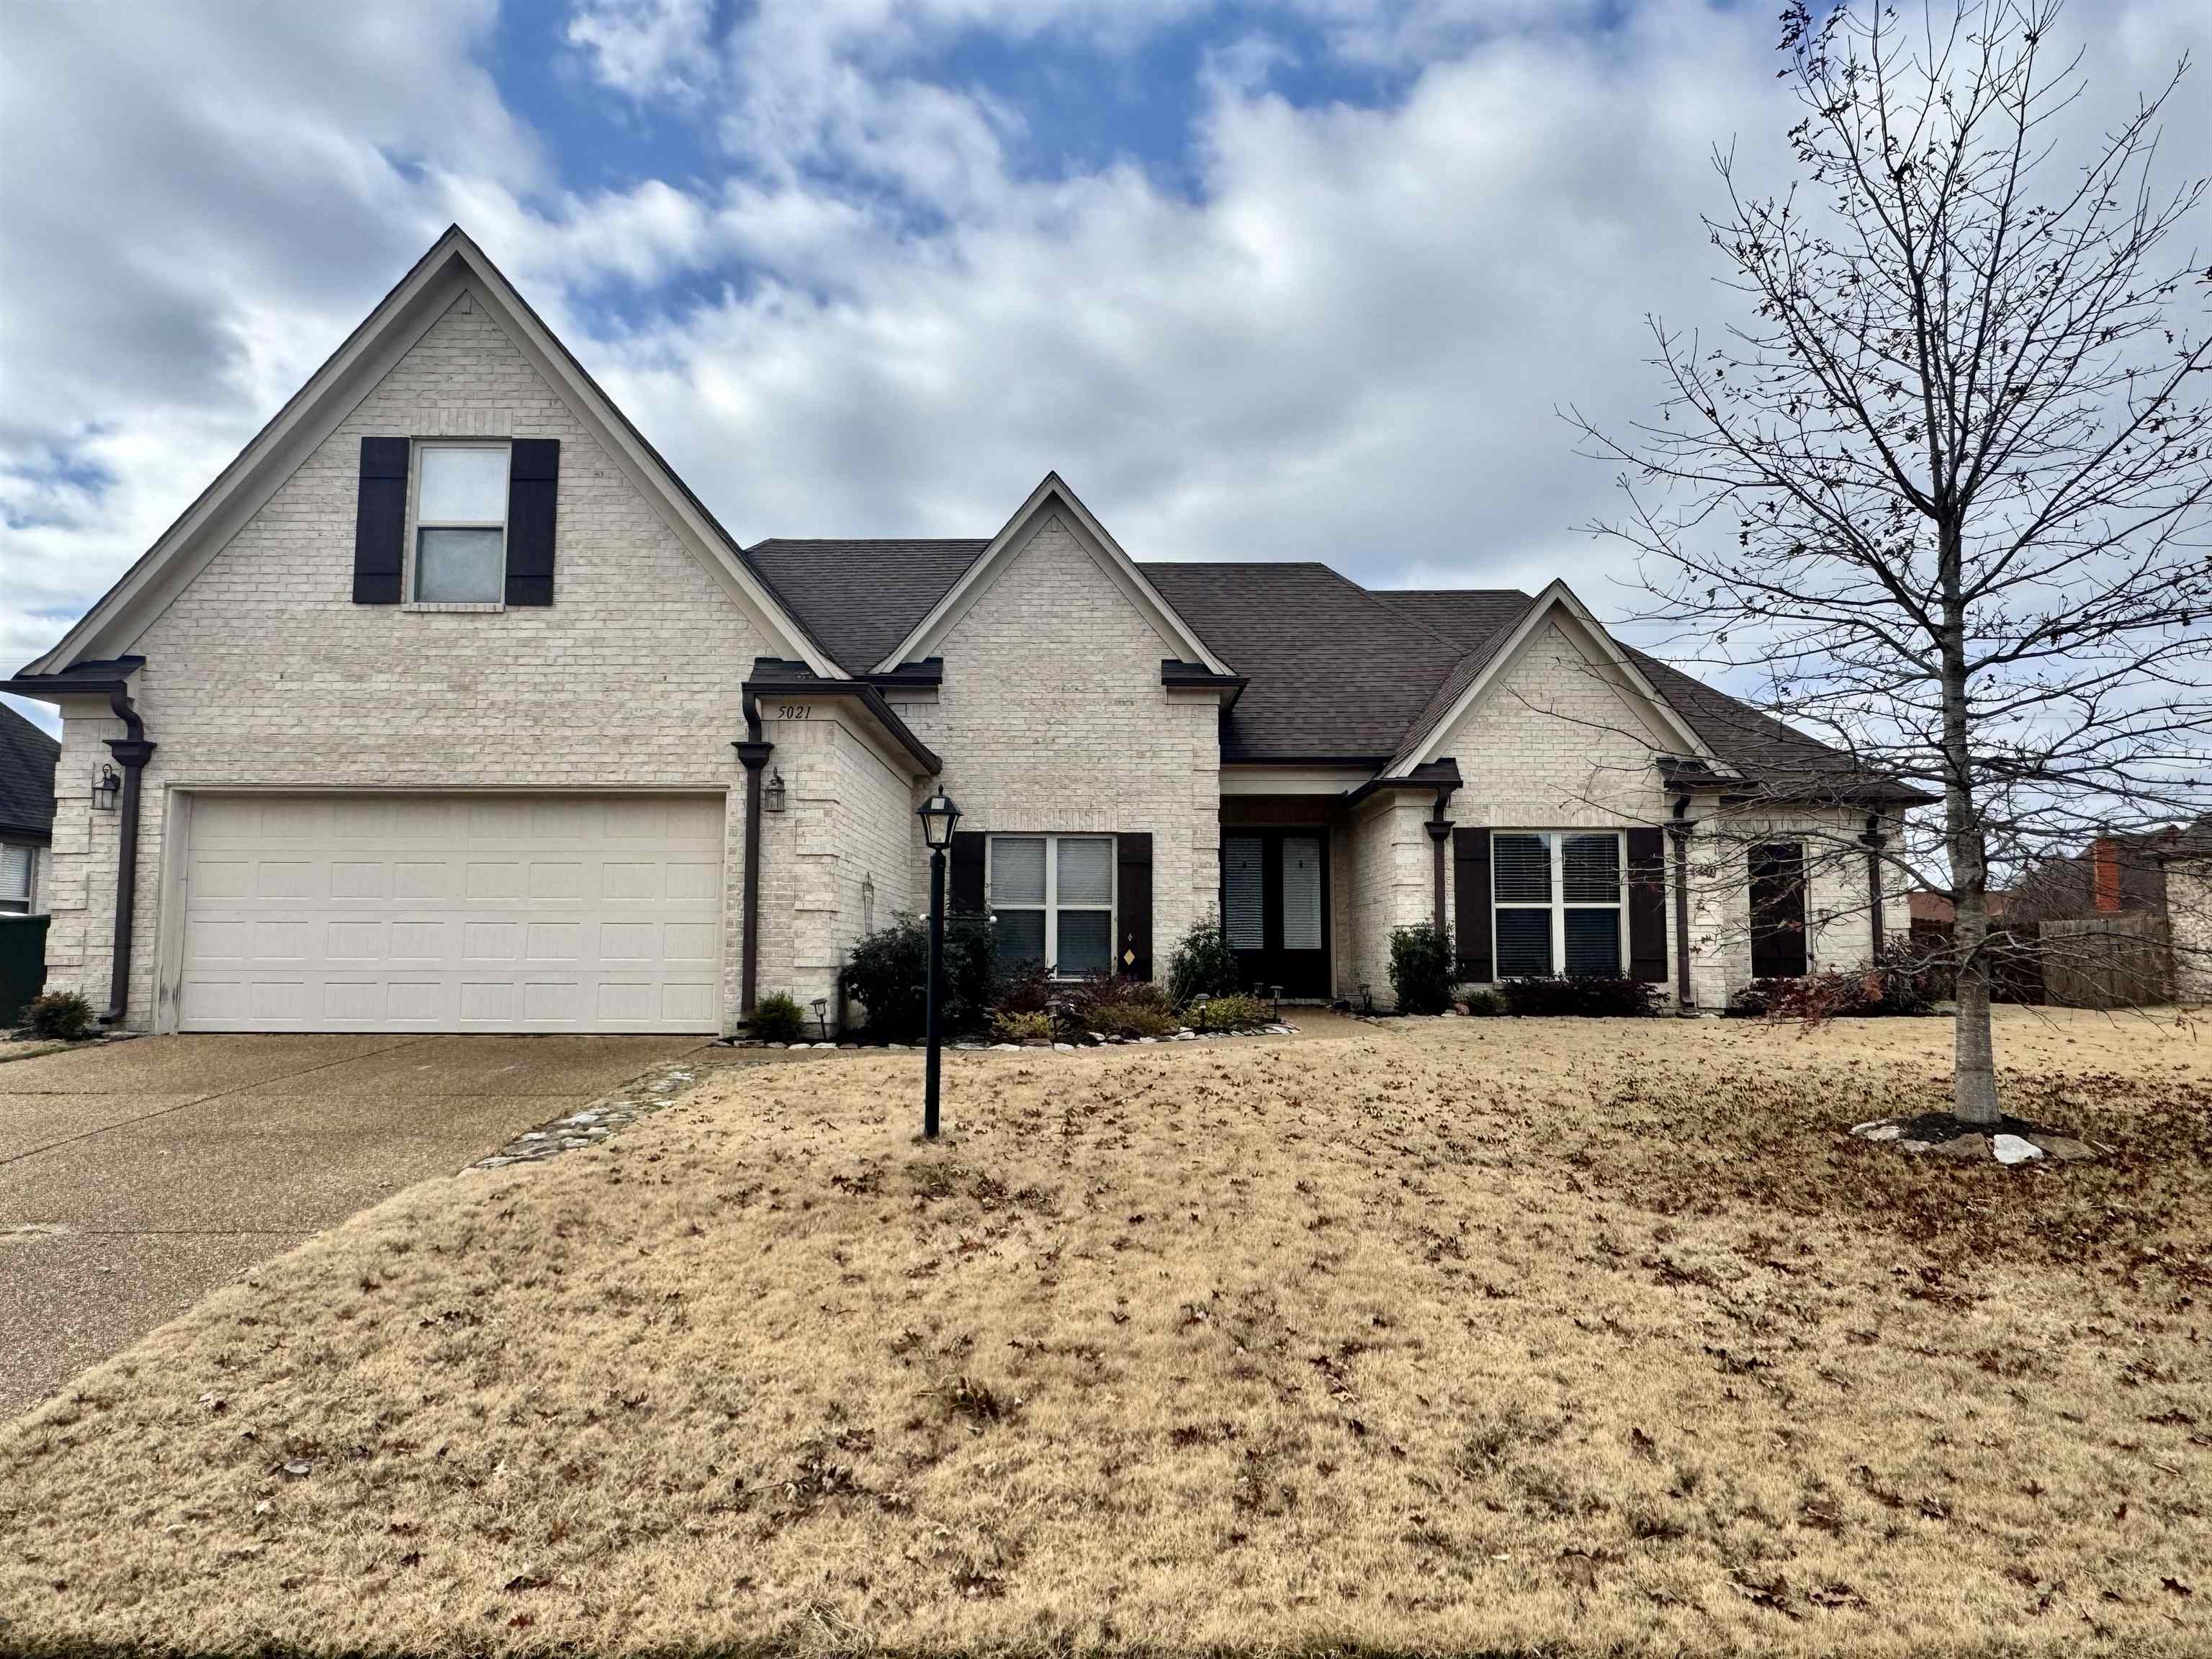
{"x":412,"y":912}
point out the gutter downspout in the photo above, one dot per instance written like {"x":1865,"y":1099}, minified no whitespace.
{"x":1678,"y":832}
{"x":1439,"y":832}
{"x":753,"y":753}
{"x":132,"y":751}
{"x":1874,"y":841}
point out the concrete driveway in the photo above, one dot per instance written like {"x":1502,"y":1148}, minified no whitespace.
{"x":136,"y":1177}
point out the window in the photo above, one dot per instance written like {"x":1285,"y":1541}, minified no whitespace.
{"x":461,"y":524}
{"x":15,"y":867}
{"x":1052,"y":897}
{"x":1556,"y":899}
{"x":1777,"y":910}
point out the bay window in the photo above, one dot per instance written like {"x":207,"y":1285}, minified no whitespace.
{"x":1557,"y":901}
{"x":1052,"y":898}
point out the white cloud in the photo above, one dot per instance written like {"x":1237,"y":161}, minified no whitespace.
{"x":1346,"y":344}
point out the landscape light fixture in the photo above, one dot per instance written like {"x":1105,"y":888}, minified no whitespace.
{"x":938,"y":816}
{"x":822,"y":1017}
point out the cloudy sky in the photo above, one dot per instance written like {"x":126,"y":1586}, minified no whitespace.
{"x":1276,"y":282}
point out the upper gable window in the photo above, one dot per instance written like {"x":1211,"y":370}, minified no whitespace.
{"x":460,"y":524}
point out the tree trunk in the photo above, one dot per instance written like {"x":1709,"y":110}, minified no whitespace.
{"x":1973,"y":1069}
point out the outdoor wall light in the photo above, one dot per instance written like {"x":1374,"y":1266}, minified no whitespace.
{"x":104,"y":787}
{"x":772,"y":795}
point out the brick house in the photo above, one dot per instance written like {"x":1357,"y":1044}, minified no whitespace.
{"x":447,"y":706}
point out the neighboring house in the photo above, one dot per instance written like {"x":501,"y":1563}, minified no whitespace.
{"x":1928,"y":908}
{"x":2164,"y":872}
{"x":26,"y":813}
{"x":448,"y":707}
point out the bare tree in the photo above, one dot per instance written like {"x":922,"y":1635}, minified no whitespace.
{"x":1948,"y":483}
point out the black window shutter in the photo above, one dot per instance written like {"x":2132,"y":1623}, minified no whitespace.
{"x":379,"y":520}
{"x":1646,"y":906}
{"x":1134,"y":854}
{"x":1471,"y":903}
{"x":966,"y":878}
{"x":533,"y":480}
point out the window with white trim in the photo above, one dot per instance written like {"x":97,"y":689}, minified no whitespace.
{"x":460,"y":523}
{"x":17,"y":863}
{"x":1052,"y":898}
{"x":1558,"y":899}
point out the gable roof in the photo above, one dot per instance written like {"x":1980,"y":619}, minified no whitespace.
{"x":453,"y":264}
{"x":1334,"y":674}
{"x":1052,"y":498}
{"x":27,"y":777}
{"x":1782,"y":758}
{"x":861,"y":597}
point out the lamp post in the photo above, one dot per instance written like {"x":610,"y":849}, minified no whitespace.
{"x":938,"y":815}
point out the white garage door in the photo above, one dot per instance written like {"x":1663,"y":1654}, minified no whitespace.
{"x":452,"y":913}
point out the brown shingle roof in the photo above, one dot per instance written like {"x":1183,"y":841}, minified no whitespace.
{"x":859,"y":598}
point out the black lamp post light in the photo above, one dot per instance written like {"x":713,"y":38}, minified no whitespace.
{"x":938,"y":815}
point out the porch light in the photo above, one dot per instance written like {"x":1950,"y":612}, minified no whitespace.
{"x":938,"y":815}
{"x":772,"y":794}
{"x":104,"y":787}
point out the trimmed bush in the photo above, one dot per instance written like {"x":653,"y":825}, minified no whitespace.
{"x":1120,"y":1007}
{"x":1009,"y":1025}
{"x":1421,"y":968}
{"x":1483,"y":1003}
{"x":888,"y":974}
{"x":1594,"y":997}
{"x":1203,"y":965}
{"x":1235,"y":1012}
{"x":777,"y":1018}
{"x":62,"y":1014}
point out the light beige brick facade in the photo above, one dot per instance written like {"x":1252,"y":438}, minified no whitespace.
{"x":1052,"y":718}
{"x":265,"y":673}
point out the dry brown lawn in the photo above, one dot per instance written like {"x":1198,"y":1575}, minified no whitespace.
{"x":1547,"y":1336}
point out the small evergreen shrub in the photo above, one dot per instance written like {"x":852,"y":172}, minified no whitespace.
{"x":1483,"y":1003}
{"x":1203,"y":965}
{"x":1595,"y":998}
{"x":1235,"y":1012}
{"x":1021,"y":1025}
{"x":1029,"y":988}
{"x":62,"y":1014}
{"x":887,"y":973}
{"x":1421,"y":968}
{"x":777,"y":1018}
{"x":1120,"y":1007}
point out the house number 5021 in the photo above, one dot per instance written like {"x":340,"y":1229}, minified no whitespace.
{"x":792,"y":711}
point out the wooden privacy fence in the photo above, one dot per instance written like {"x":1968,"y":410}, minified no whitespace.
{"x":22,"y":964}
{"x":2121,"y":961}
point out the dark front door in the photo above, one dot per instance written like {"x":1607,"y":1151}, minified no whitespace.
{"x":1274,"y":906}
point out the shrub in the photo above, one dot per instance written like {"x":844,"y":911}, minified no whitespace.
{"x":1904,"y":991}
{"x":1483,"y":1003}
{"x":1203,"y":965}
{"x":1421,"y":968}
{"x":1595,"y":998}
{"x":61,"y":1014}
{"x":1234,"y":1012}
{"x":1021,"y":1025}
{"x":1120,"y":1007}
{"x":888,"y":972}
{"x":777,"y":1018}
{"x":1027,"y":989}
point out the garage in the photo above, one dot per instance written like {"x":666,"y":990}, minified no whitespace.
{"x":392,"y":912}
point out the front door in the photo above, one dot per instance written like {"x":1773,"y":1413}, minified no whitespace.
{"x":1274,"y":907}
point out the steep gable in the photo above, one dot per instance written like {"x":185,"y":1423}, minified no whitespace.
{"x":454,"y":267}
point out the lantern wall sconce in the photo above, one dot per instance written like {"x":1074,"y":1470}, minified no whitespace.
{"x":105,"y":786}
{"x":772,"y":796}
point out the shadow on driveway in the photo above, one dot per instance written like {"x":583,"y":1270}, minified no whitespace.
{"x":136,"y":1177}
